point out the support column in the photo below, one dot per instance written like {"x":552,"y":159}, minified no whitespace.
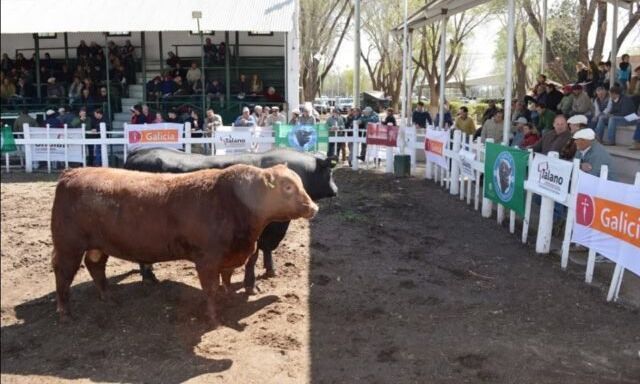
{"x":106,"y":66}
{"x":404,"y":85}
{"x":614,"y":44}
{"x":356,"y":57}
{"x":227,"y":67}
{"x":36,"y":43}
{"x":143,"y":53}
{"x":204,"y":77}
{"x":443,"y":48}
{"x":236,"y":57}
{"x":506,"y":130}
{"x":160,"y":52}
{"x":543,"y":58}
{"x":66,"y":48}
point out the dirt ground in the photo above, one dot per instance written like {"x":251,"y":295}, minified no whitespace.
{"x":394,"y":281}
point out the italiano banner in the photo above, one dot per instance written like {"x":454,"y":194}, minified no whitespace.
{"x":305,"y":138}
{"x":505,"y":169}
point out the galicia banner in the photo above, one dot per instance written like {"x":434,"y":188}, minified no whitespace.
{"x":504,"y":170}
{"x":608,"y":219}
{"x":154,"y":135}
{"x":550,"y":177}
{"x":434,"y":144}
{"x":302,"y":138}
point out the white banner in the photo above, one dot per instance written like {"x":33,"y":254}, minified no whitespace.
{"x":466,"y":164}
{"x":608,"y":219}
{"x":549,"y":177}
{"x":434,"y":144}
{"x":230,"y":142}
{"x":154,"y":135}
{"x":263,"y":133}
{"x":56,"y":152}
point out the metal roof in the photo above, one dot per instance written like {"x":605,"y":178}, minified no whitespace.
{"x":434,"y":10}
{"x":51,"y":16}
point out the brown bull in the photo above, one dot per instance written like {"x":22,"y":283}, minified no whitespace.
{"x":211,"y":217}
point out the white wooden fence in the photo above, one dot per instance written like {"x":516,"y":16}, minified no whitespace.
{"x":409,"y":142}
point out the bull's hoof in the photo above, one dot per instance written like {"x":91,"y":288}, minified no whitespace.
{"x":270,"y":273}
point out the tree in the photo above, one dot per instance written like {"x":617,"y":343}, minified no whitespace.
{"x":460,"y":28}
{"x":462,"y":73}
{"x":323,"y":26}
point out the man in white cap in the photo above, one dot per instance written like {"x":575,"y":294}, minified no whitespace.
{"x":518,"y":136}
{"x":65,"y":117}
{"x":592,"y":154}
{"x":245,"y":120}
{"x":52,"y":120}
{"x":307,"y":117}
{"x":577,"y":122}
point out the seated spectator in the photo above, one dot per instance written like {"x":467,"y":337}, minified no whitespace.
{"x":148,"y":116}
{"x":576,"y":123}
{"x":489,"y":112}
{"x":181,"y":88}
{"x":65,"y":76}
{"x":245,"y":120}
{"x":24,"y":118}
{"x":255,"y":86}
{"x":65,"y":117}
{"x":242,"y":87}
{"x":531,"y":136}
{"x":52,"y":120}
{"x":389,"y":119}
{"x":555,"y":139}
{"x":154,"y":91}
{"x":621,"y":106}
{"x":55,"y":91}
{"x":493,"y":127}
{"x":136,"y":115}
{"x":89,"y":85}
{"x":276,"y":117}
{"x":582,"y":73}
{"x":520,"y":110}
{"x":210,"y":51}
{"x":81,"y":119}
{"x":262,"y":120}
{"x":193,"y":74}
{"x":87,"y":101}
{"x":636,"y":135}
{"x":172,"y":60}
{"x":196,"y":126}
{"x":75,"y":91}
{"x":581,"y":102}
{"x":7,"y":90}
{"x":592,"y":154}
{"x":518,"y":135}
{"x":168,"y":86}
{"x":553,"y":97}
{"x":601,"y":107}
{"x":464,"y":122}
{"x":215,"y":90}
{"x":257,"y":113}
{"x":178,"y":71}
{"x":103,"y":97}
{"x":158,"y":118}
{"x":545,"y":118}
{"x":273,"y":96}
{"x":172,"y":117}
{"x":421,"y":117}
{"x":567,"y":100}
{"x":213,"y":121}
{"x":24,"y":90}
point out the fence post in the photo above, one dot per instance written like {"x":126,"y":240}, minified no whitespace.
{"x":84,"y":147}
{"x":48,"y":150}
{"x":545,"y":222}
{"x":454,"y":186}
{"x":104,"y":153}
{"x":527,"y":205}
{"x":66,"y":147}
{"x":28,"y":163}
{"x":187,"y":135}
{"x":591,"y":261}
{"x":477,"y":146}
{"x":487,"y":205}
{"x":571,"y":213}
{"x":354,"y":147}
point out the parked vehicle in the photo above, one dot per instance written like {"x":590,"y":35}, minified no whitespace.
{"x":344,"y":104}
{"x":322,"y":105}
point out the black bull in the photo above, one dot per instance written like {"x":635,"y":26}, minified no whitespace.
{"x":314,"y":170}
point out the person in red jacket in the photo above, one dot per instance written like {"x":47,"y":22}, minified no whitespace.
{"x":531,"y":136}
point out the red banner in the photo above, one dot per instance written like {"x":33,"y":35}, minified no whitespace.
{"x":380,"y":134}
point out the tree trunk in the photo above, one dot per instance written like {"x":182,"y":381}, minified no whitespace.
{"x":601,"y":32}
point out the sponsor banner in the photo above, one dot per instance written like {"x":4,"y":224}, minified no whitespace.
{"x":154,"y":135}
{"x":303,"y":138}
{"x":56,"y":152}
{"x":607,"y":219}
{"x":435,"y":144}
{"x":504,"y":170}
{"x":550,"y":177}
{"x":229,"y":142}
{"x":8,"y":143}
{"x":381,"y":134}
{"x":261,"y":133}
{"x":466,"y":164}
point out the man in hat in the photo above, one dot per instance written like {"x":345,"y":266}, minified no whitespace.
{"x":581,"y":102}
{"x":52,"y":120}
{"x":576,"y":123}
{"x":65,"y":118}
{"x":276,"y":117}
{"x":592,"y":154}
{"x":55,"y":91}
{"x":518,"y":136}
{"x":245,"y":120}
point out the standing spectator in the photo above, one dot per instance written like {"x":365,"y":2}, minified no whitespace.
{"x":52,"y":120}
{"x":75,"y":91}
{"x":621,"y":106}
{"x":65,"y":75}
{"x":448,"y":119}
{"x":91,"y":132}
{"x":307,"y":117}
{"x":55,"y":91}
{"x":65,"y":117}
{"x":464,"y":122}
{"x":295,"y":117}
{"x":210,"y":51}
{"x":81,"y":119}
{"x":276,"y":117}
{"x":172,"y":60}
{"x":7,"y":90}
{"x":634,"y":87}
{"x":555,"y":139}
{"x":545,"y":118}
{"x":336,"y":125}
{"x":553,"y":97}
{"x":193,"y":74}
{"x":420,"y":116}
{"x":389,"y":119}
{"x":128,"y":58}
{"x":98,"y":118}
{"x":592,"y":155}
{"x":86,"y":100}
{"x":368,"y":116}
{"x":601,"y":107}
{"x":256,"y":85}
{"x":24,"y":118}
{"x":493,"y":127}
{"x":24,"y":90}
{"x":581,"y":102}
{"x":222,"y":52}
{"x":245,"y":120}
{"x":624,"y":72}
{"x":213,"y":121}
{"x":243,"y":87}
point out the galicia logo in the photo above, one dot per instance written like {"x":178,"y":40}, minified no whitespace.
{"x":585,"y":210}
{"x":134,"y":137}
